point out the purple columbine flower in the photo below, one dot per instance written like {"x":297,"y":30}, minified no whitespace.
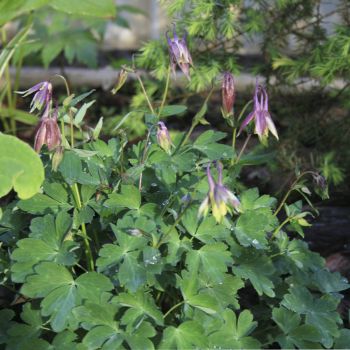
{"x":42,"y":97}
{"x":163,"y":137}
{"x":179,"y":53}
{"x":219,"y":197}
{"x":260,"y":114}
{"x":228,"y":94}
{"x":48,"y":131}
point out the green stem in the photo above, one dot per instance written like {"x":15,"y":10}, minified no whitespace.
{"x":189,"y":133}
{"x":280,"y":226}
{"x":161,"y":240}
{"x":234,"y":136}
{"x":143,"y":159}
{"x":8,"y":86}
{"x":244,"y":109}
{"x":165,"y":92}
{"x":173,"y":308}
{"x":145,"y":93}
{"x":243,"y":148}
{"x":69,"y":110}
{"x":18,"y":74}
{"x":290,"y":191}
{"x":87,"y":249}
{"x":195,"y":122}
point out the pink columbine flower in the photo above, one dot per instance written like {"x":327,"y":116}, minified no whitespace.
{"x":42,"y":97}
{"x":219,"y":197}
{"x":48,"y":131}
{"x":179,"y":53}
{"x":260,"y":114}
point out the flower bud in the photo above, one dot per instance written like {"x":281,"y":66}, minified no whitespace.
{"x":123,"y":74}
{"x":228,"y":94}
{"x":57,"y":158}
{"x":320,"y":185}
{"x":163,"y":137}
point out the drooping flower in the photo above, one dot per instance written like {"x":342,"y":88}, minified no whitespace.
{"x":179,"y":53}
{"x":163,"y":137}
{"x":260,"y":114}
{"x":228,"y":94}
{"x":219,"y":197}
{"x":48,"y":131}
{"x":42,"y":97}
{"x":320,"y":185}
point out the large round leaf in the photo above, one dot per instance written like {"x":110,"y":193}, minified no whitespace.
{"x":20,"y":168}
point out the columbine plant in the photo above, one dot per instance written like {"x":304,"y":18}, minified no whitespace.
{"x":117,"y":251}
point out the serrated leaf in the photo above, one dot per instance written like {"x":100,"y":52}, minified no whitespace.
{"x":329,"y":282}
{"x":253,"y":225}
{"x":93,"y":314}
{"x":129,"y":197}
{"x":65,"y":341}
{"x":46,"y":242}
{"x":258,"y":269}
{"x":125,"y":255}
{"x":42,"y":204}
{"x":186,"y":336}
{"x":142,"y":303}
{"x":62,"y":293}
{"x":285,"y":319}
{"x":204,"y":302}
{"x":104,"y":336}
{"x":234,"y":333}
{"x":211,"y":260}
{"x":320,"y":313}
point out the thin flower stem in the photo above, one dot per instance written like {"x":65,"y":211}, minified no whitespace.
{"x":143,"y":159}
{"x":69,"y":110}
{"x":165,"y":92}
{"x":173,"y":308}
{"x":161,"y":240}
{"x":145,"y":93}
{"x":244,"y":109}
{"x":149,"y":132}
{"x":283,"y":201}
{"x":234,"y":136}
{"x":8,"y":86}
{"x":243,"y":148}
{"x":87,"y":249}
{"x":18,"y":74}
{"x":188,"y":135}
{"x":195,"y":122}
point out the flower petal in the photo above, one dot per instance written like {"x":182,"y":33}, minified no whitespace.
{"x":204,"y":207}
{"x":271,"y":125}
{"x":260,"y":123}
{"x":246,"y":121}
